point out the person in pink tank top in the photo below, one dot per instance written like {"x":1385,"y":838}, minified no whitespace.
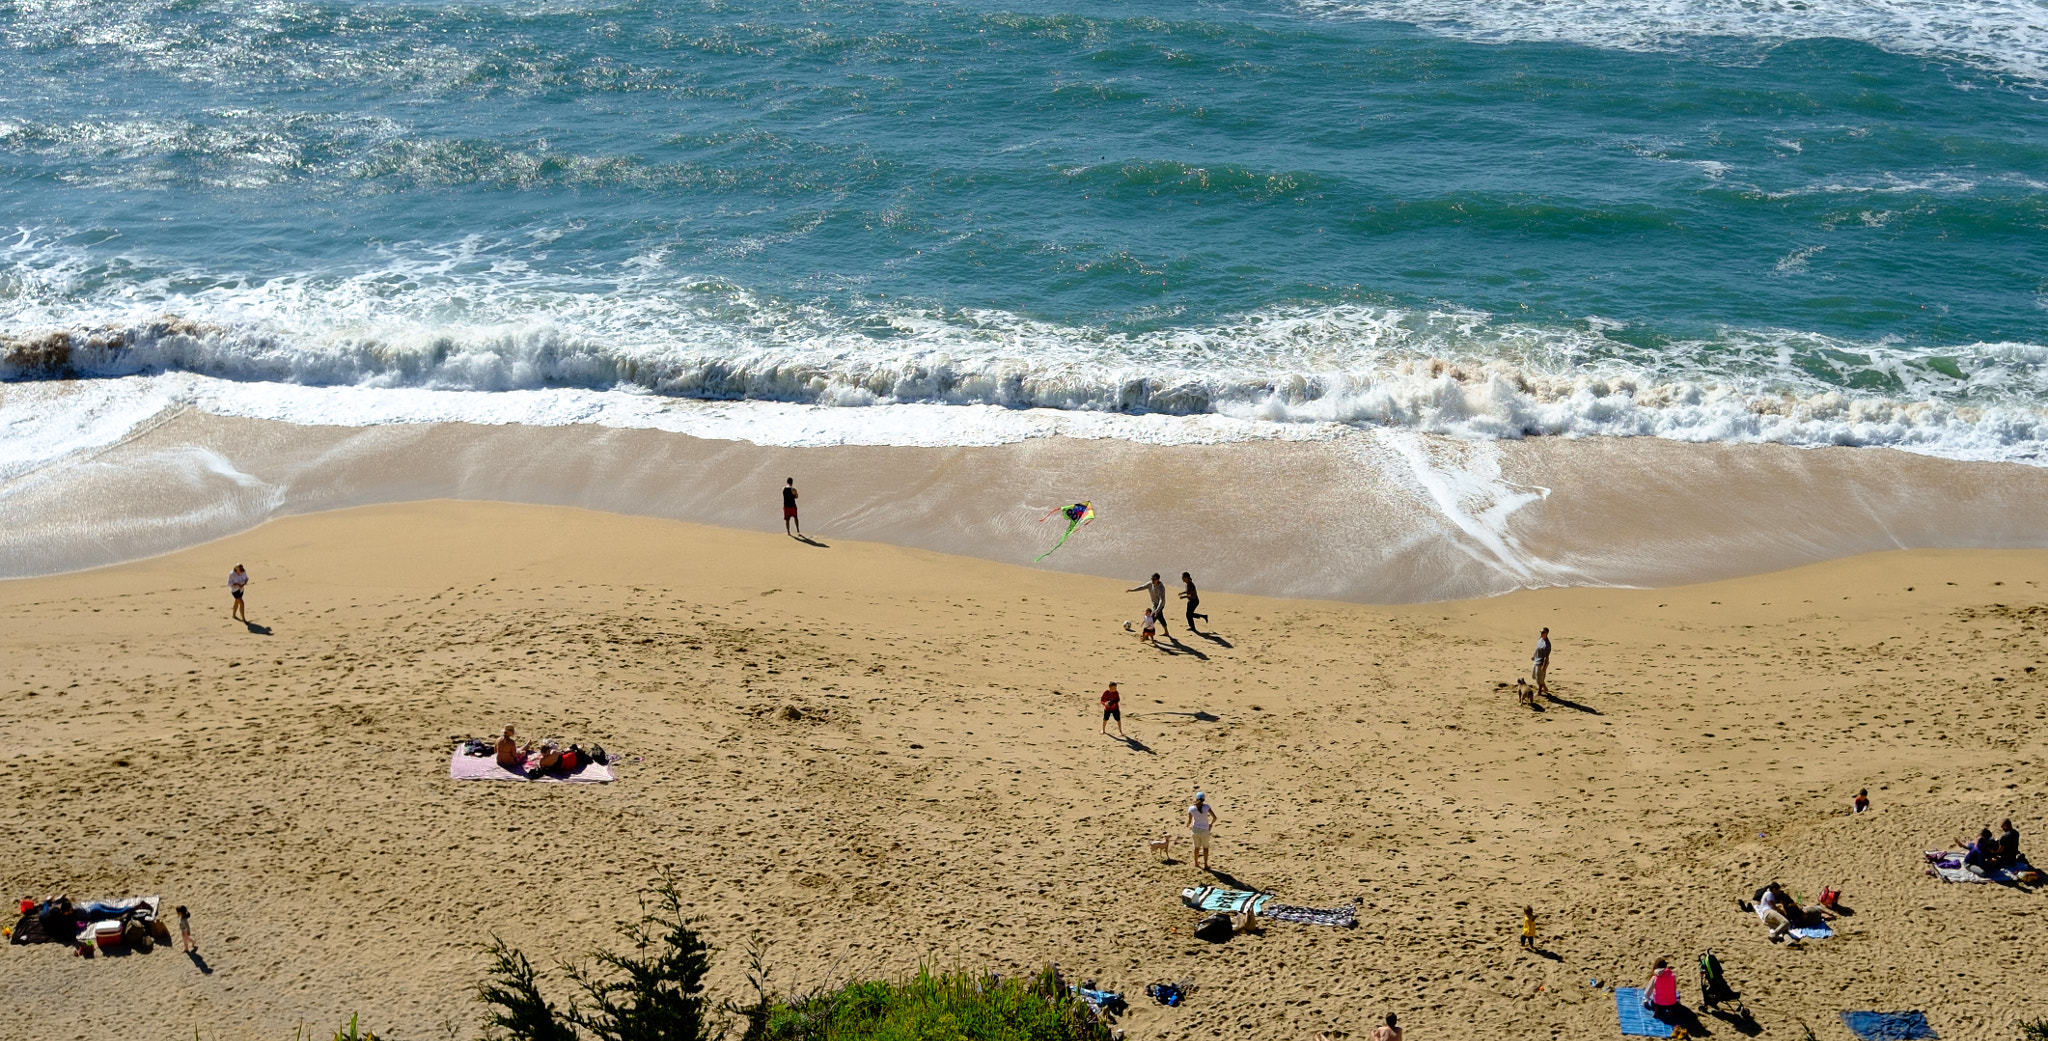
{"x":1661,"y":993}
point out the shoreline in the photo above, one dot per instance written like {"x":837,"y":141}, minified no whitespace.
{"x":1374,"y":516}
{"x":942,"y":792}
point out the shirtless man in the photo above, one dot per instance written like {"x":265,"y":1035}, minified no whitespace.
{"x":509,"y":755}
{"x":550,"y":757}
{"x":789,"y":509}
{"x":1158,"y":591}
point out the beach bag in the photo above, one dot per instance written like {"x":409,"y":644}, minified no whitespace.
{"x":1828,"y":897}
{"x":598,"y":756}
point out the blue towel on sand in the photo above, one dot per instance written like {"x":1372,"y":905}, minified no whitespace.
{"x":1888,"y":1026}
{"x":1628,"y":1007}
{"x":1817,"y":932}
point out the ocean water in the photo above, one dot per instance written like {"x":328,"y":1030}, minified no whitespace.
{"x":1821,"y":222}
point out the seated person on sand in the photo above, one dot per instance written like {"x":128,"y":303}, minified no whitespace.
{"x":1980,"y":856}
{"x":1660,"y":995}
{"x":2009,"y":854}
{"x":509,"y":754}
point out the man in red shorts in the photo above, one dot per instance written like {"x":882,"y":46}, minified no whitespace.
{"x":789,"y":509}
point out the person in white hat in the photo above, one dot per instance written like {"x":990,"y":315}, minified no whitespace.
{"x":1201,"y":818}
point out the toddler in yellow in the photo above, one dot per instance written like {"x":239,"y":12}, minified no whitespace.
{"x":1529,"y":928}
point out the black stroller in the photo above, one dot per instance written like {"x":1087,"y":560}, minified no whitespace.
{"x":1715,"y":990}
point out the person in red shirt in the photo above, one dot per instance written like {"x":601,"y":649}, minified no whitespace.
{"x":1113,"y":708}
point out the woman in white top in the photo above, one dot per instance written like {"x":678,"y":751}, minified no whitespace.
{"x":237,"y":579}
{"x":1201,"y":818}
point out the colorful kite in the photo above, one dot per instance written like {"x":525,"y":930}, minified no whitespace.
{"x":1078,"y":514}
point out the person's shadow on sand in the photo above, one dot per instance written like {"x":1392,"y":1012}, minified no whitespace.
{"x":1139,"y":746}
{"x":1177,"y":647}
{"x":809,"y":541}
{"x":1569,"y":703}
{"x":1215,"y":638}
{"x":199,"y":962}
{"x":260,"y":630}
{"x":1233,"y":881}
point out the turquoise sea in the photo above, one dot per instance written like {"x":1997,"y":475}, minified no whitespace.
{"x":1822,"y":222}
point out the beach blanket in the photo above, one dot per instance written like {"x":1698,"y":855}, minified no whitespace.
{"x":485,"y":768}
{"x":1888,"y":1026}
{"x":1227,"y":901}
{"x":1948,"y":866}
{"x":1635,"y":1020}
{"x":1341,"y":917}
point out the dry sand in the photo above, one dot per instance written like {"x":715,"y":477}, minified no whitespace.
{"x":940,"y":792}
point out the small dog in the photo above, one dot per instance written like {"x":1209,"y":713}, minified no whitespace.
{"x":1525,"y":693}
{"x":1163,"y":845}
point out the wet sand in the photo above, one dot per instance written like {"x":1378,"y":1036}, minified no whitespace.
{"x":871,"y":757}
{"x":1372,"y":516}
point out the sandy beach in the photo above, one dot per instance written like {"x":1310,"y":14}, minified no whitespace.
{"x":872,"y":757}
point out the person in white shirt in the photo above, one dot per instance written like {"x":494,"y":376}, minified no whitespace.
{"x":237,"y":579}
{"x":1201,"y":818}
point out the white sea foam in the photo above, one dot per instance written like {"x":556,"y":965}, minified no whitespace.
{"x":2006,"y":36}
{"x":471,"y":332}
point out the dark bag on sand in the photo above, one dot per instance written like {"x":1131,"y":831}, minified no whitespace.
{"x":1215,"y":928}
{"x":597,"y":755}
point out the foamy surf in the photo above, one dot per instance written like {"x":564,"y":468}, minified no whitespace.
{"x":2004,"y":36}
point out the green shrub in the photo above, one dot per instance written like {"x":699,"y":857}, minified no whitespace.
{"x":653,"y":993}
{"x":2034,"y":1031}
{"x":930,"y":1005}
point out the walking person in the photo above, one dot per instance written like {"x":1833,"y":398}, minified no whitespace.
{"x":1539,"y":665}
{"x":185,"y":929}
{"x":1194,"y":599}
{"x":789,"y":509}
{"x":237,"y":579}
{"x":1201,"y":819}
{"x":1113,"y":708}
{"x":1158,"y":591}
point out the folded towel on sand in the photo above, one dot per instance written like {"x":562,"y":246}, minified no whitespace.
{"x":1628,"y":1008}
{"x":1228,"y":901}
{"x":1817,"y":931}
{"x":1888,"y":1026}
{"x":470,"y":768}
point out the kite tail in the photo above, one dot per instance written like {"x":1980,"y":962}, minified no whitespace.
{"x":1071,"y":525}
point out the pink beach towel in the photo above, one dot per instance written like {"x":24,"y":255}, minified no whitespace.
{"x":485,"y":768}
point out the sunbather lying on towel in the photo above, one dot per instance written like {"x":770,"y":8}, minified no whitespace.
{"x":1781,"y":914}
